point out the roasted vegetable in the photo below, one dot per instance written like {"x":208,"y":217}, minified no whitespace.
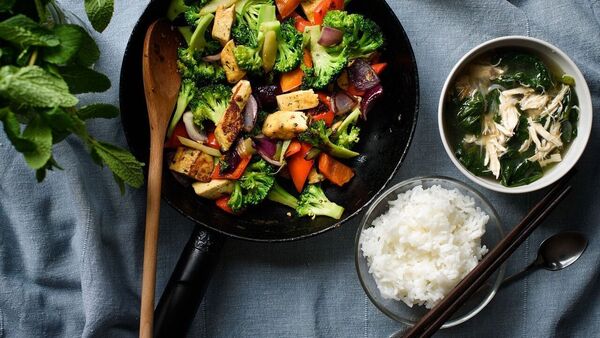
{"x":289,"y":48}
{"x":318,"y":135}
{"x":280,"y":195}
{"x":347,"y":133}
{"x":191,"y":66}
{"x":210,"y":103}
{"x":327,"y":63}
{"x":362,"y":36}
{"x":313,"y":202}
{"x":252,"y":187}
{"x":186,"y":94}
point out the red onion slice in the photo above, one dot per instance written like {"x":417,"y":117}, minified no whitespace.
{"x":270,"y":160}
{"x":369,"y":99}
{"x":250,"y":112}
{"x":266,"y":145}
{"x":330,"y":36}
{"x":362,"y":76}
{"x":212,"y":58}
{"x":343,"y":103}
{"x":193,"y":132}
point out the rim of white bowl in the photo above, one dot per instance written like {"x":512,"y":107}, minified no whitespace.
{"x":584,"y":125}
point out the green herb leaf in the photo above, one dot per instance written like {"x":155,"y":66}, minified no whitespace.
{"x":33,"y":86}
{"x":25,"y":32}
{"x":99,"y":110}
{"x":99,"y":12}
{"x":71,"y":37}
{"x":40,"y":134}
{"x":12,"y":128}
{"x":89,"y":52}
{"x":84,"y":80}
{"x":122,"y":163}
{"x":63,"y":123}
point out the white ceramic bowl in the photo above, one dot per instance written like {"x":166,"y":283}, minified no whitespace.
{"x":545,"y":51}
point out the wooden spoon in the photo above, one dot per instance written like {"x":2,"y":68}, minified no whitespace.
{"x":161,"y":86}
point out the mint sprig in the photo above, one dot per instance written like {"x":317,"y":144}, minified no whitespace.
{"x":42,"y":67}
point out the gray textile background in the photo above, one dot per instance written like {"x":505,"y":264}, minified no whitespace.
{"x":71,"y":247}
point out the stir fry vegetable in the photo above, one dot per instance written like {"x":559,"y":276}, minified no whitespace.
{"x":270,"y":95}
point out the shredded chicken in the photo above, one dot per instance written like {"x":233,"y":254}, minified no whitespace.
{"x":508,"y":108}
{"x":556,"y":102}
{"x":476,"y":76}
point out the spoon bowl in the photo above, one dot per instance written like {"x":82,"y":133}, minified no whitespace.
{"x":561,"y":250}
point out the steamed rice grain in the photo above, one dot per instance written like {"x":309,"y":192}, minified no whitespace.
{"x":424,"y":244}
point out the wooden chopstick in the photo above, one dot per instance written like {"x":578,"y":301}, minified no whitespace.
{"x":438,"y":315}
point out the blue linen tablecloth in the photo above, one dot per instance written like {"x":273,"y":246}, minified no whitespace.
{"x":71,"y":247}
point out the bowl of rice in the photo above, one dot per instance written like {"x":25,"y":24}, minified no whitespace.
{"x":418,"y":240}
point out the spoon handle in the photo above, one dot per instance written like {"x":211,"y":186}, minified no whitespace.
{"x":517,"y":276}
{"x":151,"y":236}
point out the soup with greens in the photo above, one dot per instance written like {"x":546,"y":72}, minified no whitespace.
{"x":512,"y":116}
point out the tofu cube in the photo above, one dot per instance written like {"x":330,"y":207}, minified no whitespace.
{"x":231,"y":123}
{"x":193,"y":163}
{"x":233,"y":72}
{"x":214,"y":189}
{"x":298,"y":100}
{"x":223,"y":22}
{"x":284,"y":125}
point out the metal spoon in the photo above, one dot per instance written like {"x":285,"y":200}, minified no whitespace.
{"x":555,"y":253}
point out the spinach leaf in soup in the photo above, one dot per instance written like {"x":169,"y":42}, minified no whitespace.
{"x":470,"y":113}
{"x":472,"y":157}
{"x":526,"y":70}
{"x":518,"y":170}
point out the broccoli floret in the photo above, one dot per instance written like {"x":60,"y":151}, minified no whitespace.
{"x":186,"y":94}
{"x":243,"y":35}
{"x":248,"y":59}
{"x":280,"y":195}
{"x":198,"y":41}
{"x":327,"y":64}
{"x":289,"y":48}
{"x":210,"y":103}
{"x":362,"y":36}
{"x":176,"y":8}
{"x":318,"y":134}
{"x":252,"y":187}
{"x":347,"y":134}
{"x":191,"y":66}
{"x":313,"y":202}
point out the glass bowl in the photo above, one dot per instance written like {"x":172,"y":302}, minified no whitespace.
{"x":398,"y":310}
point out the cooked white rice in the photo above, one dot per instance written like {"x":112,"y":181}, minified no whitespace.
{"x":424,"y":244}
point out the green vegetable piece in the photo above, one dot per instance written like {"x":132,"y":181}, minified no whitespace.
{"x":525,"y":69}
{"x":84,"y":80}
{"x":470,"y":113}
{"x":99,"y":12}
{"x":519,"y":171}
{"x":12,"y":128}
{"x":327,"y":64}
{"x":249,"y":59}
{"x":362,"y":36}
{"x":313,"y":202}
{"x":121,"y":162}
{"x":567,"y":79}
{"x":280,"y":195}
{"x":347,"y":134}
{"x":71,"y":38}
{"x":98,"y":110}
{"x":253,"y":187}
{"x":318,"y":135}
{"x":289,"y":48}
{"x":33,"y":86}
{"x":24,"y":32}
{"x":472,"y":157}
{"x":210,"y":103}
{"x":40,"y":134}
{"x":186,"y":94}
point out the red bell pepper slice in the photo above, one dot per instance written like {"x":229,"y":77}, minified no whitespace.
{"x":236,"y":173}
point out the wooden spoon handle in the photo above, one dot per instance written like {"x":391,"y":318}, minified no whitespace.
{"x":151,"y":239}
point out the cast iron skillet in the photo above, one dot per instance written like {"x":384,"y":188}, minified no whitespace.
{"x":385,"y":139}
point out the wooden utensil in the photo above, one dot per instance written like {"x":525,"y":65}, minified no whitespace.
{"x":161,"y":86}
{"x":437,"y":316}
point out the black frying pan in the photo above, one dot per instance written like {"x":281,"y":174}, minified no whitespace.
{"x":385,"y":139}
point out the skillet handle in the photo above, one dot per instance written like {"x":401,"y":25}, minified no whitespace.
{"x":186,"y":287}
